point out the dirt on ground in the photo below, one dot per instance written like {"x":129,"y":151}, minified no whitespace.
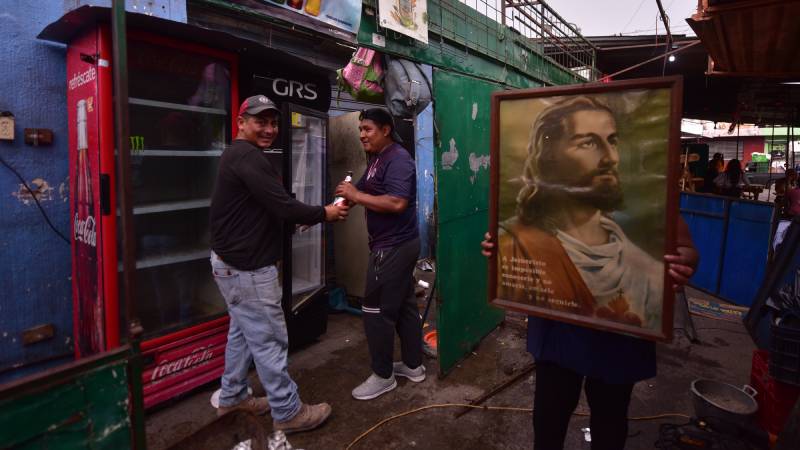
{"x":329,"y":369}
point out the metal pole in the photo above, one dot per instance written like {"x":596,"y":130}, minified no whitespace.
{"x":769,"y":162}
{"x":790,"y":141}
{"x":665,"y":20}
{"x":669,"y":35}
{"x":628,"y":47}
{"x":791,"y":137}
{"x":636,"y":66}
{"x":738,"y":138}
{"x":786,"y":152}
{"x":122,"y":132}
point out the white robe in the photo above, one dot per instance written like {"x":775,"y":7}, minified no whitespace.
{"x":619,"y":266}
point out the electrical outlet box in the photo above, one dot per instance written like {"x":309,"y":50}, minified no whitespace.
{"x":38,"y":136}
{"x":6,"y":126}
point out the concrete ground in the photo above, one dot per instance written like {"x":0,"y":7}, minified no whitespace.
{"x":328,"y":371}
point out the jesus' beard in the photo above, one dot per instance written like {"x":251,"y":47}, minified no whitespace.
{"x":551,"y":197}
{"x":606,"y":197}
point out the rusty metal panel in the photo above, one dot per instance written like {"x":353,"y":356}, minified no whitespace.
{"x":461,"y":111}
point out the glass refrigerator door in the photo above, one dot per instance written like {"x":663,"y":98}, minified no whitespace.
{"x":307,"y":183}
{"x":179,"y":121}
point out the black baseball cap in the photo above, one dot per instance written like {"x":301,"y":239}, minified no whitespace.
{"x":381,"y":117}
{"x":257,"y":104}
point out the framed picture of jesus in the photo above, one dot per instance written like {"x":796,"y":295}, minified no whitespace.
{"x":584,"y":201}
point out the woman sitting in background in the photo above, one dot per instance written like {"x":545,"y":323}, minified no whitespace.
{"x":730,"y":181}
{"x":792,"y":203}
{"x":713,"y":169}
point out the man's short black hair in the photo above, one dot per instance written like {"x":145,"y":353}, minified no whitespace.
{"x":381,"y":117}
{"x":378,"y":115}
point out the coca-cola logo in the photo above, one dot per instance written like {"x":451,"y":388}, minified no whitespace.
{"x":81,"y":78}
{"x":168,"y":367}
{"x":85,"y":230}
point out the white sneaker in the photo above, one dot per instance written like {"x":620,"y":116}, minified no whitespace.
{"x":402,"y":370}
{"x":374,"y":386}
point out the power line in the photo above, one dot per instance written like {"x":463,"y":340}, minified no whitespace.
{"x":669,"y":6}
{"x":632,"y":17}
{"x":678,"y":28}
{"x":35,"y":199}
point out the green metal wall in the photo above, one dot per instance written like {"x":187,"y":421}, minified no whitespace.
{"x":83,"y":405}
{"x":466,"y":41}
{"x":462,"y":193}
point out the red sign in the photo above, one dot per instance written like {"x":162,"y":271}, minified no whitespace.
{"x":84,"y":158}
{"x":183,"y":360}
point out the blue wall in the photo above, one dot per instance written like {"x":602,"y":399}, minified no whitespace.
{"x":34,"y":262}
{"x":425,"y":173}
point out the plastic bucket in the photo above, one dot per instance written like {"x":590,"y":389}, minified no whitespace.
{"x":431,"y":338}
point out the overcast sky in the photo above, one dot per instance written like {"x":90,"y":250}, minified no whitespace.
{"x":629,"y":17}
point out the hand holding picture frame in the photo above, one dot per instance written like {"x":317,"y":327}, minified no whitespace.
{"x":583,"y":204}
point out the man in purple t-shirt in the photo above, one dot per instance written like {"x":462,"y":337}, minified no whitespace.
{"x":388,"y":191}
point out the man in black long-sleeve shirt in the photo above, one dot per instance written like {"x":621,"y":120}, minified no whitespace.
{"x":248,"y":209}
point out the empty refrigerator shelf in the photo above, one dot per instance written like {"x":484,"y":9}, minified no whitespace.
{"x":173,"y":258}
{"x":208,"y":153}
{"x":180,"y":205}
{"x":171,"y":206}
{"x":179,"y":106}
{"x":300,"y":285}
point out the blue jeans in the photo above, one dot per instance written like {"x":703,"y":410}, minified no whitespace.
{"x":257,"y":333}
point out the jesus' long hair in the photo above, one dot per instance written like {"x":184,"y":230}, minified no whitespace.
{"x":533,"y":199}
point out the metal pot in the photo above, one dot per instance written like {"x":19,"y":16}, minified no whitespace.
{"x":724,"y":401}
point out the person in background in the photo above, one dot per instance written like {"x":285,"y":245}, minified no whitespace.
{"x":713,"y":169}
{"x":792,"y":202}
{"x":730,"y":181}
{"x":387,"y":190}
{"x":248,"y":211}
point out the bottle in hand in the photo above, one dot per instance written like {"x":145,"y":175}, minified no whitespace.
{"x":347,"y":179}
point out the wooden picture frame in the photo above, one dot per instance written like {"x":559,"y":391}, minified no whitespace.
{"x":584,"y":203}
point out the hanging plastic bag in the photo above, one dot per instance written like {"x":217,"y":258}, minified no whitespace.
{"x":408,"y":90}
{"x":363,"y":76}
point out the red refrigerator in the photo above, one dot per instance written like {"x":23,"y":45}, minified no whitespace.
{"x":183,"y":100}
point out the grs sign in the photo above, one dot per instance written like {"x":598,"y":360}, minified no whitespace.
{"x":306,"y":89}
{"x":294,"y":89}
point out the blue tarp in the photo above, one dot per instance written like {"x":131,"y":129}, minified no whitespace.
{"x":733,"y":238}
